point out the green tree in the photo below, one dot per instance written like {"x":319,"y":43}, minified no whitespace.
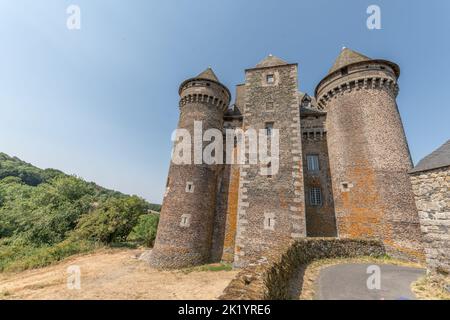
{"x":145,"y":230}
{"x":113,"y":220}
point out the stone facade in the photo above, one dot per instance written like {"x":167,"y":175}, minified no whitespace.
{"x":188,"y":214}
{"x":431,"y":185}
{"x":369,"y":156}
{"x":320,"y":218}
{"x":271,"y":207}
{"x":342,"y":166}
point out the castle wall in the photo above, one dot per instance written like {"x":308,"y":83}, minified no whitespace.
{"x":271,"y":209}
{"x":369,"y":160}
{"x":432,"y":194}
{"x":188,"y":212}
{"x":220,"y":214}
{"x":231,"y":212}
{"x":320,"y":219}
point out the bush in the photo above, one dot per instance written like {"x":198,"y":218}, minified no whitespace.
{"x":112,"y":221}
{"x":18,"y":258}
{"x":145,"y":231}
{"x":46,"y":215}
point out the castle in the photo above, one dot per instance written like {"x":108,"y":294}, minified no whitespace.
{"x":343,"y":163}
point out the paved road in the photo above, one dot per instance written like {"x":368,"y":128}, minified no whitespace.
{"x":349,"y":282}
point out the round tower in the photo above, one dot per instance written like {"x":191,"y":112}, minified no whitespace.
{"x":368,"y":153}
{"x":187,"y":215}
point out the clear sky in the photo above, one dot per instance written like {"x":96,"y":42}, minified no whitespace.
{"x":101,"y":102}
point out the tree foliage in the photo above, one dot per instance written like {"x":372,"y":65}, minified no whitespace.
{"x":46,"y":214}
{"x":145,"y":230}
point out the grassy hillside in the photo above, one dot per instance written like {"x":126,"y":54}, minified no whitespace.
{"x":46,"y":215}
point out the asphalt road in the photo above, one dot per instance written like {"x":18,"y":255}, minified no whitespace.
{"x":350,"y":282}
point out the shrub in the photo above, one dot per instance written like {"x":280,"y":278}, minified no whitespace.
{"x":46,"y":215}
{"x":18,"y":258}
{"x":111,"y":221}
{"x":145,"y":231}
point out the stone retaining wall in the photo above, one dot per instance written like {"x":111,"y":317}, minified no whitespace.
{"x":432,"y":191}
{"x":270,"y":277}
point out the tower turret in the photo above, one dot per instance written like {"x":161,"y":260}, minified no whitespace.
{"x":187,"y":216}
{"x":369,"y":155}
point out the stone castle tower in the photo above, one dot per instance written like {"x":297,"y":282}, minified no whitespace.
{"x":187,"y":217}
{"x":342,"y":166}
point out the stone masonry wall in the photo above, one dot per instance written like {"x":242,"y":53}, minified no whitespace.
{"x":231,"y":212}
{"x":188,"y":213}
{"x":432,"y":193}
{"x":320,"y":220}
{"x":271,"y":208}
{"x":369,"y":159}
{"x":270,"y":277}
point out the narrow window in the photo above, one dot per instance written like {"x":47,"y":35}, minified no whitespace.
{"x":269,"y":221}
{"x":344,"y":71}
{"x":269,"y":170}
{"x":315,"y":197}
{"x":313,"y":162}
{"x":190,"y":187}
{"x":270,"y":79}
{"x":185,"y":220}
{"x":346,"y":186}
{"x":269,"y":127}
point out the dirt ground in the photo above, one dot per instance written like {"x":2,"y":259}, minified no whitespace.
{"x":113,"y":274}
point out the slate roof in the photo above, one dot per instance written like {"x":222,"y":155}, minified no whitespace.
{"x":346,"y":58}
{"x":208,"y":74}
{"x":312,"y":108}
{"x":233,"y":112}
{"x":437,"y":159}
{"x":271,"y":61}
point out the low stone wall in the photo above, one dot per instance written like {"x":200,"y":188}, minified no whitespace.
{"x":270,"y":277}
{"x":432,"y":191}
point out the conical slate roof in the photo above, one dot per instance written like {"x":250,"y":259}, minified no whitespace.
{"x":208,"y":74}
{"x":271,"y":61}
{"x":347,"y":57}
{"x":437,"y":159}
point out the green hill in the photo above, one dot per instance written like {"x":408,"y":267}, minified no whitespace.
{"x":46,"y":215}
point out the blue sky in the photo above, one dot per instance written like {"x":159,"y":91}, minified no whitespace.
{"x":101,"y":102}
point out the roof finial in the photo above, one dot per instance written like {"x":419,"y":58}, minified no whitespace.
{"x":270,"y":55}
{"x":344,"y":47}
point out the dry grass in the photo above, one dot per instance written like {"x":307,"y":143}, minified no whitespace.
{"x":115,"y":274}
{"x":432,"y":287}
{"x":213,"y":267}
{"x":308,"y":291}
